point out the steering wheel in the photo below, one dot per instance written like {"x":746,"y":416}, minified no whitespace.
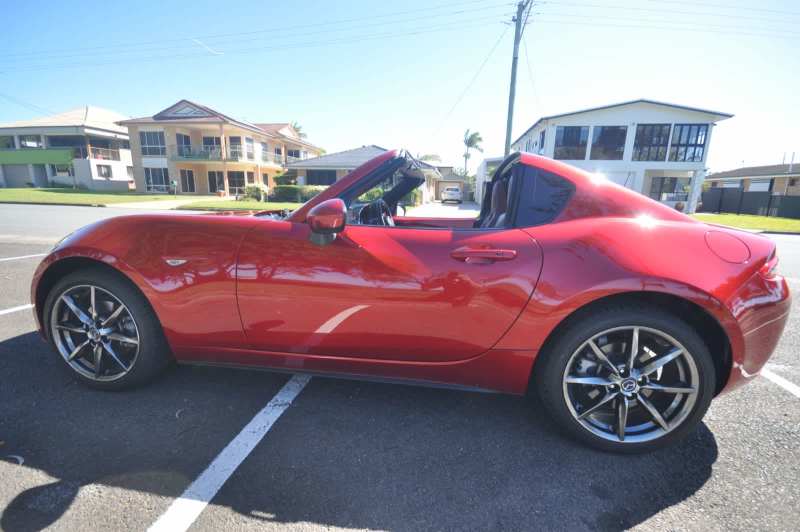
{"x":376,"y":213}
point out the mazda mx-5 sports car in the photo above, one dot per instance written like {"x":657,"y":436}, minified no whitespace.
{"x":625,"y":316}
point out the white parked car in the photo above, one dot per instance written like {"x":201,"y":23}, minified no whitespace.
{"x":451,"y":194}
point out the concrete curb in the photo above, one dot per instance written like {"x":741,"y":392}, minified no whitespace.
{"x":58,"y":204}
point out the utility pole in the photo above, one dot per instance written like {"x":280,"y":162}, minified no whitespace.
{"x":518,"y":29}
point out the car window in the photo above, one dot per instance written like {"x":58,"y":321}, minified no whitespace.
{"x":542,"y":197}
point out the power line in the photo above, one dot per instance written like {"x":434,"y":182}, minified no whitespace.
{"x":654,"y":27}
{"x":663,"y":10}
{"x":161,"y":58}
{"x":471,"y":81}
{"x":530,"y":73}
{"x":268,"y":32}
{"x":28,"y":105}
{"x":726,"y":6}
{"x":662,"y":21}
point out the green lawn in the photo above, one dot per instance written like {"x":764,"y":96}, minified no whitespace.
{"x":74,"y":197}
{"x":242,"y":205}
{"x":746,"y":221}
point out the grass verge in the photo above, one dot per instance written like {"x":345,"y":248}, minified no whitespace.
{"x":71,"y":196}
{"x":747,"y":221}
{"x":242,"y":205}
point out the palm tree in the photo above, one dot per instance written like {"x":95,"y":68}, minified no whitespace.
{"x":472,"y":141}
{"x":297,"y":127}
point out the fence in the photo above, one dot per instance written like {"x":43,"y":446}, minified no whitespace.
{"x":733,"y":200}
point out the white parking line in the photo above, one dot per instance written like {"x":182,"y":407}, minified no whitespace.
{"x":4,"y":259}
{"x":790,"y":387}
{"x":15,"y":309}
{"x":185,"y":510}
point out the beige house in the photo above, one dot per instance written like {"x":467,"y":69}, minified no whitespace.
{"x":206,"y":152}
{"x":780,"y":179}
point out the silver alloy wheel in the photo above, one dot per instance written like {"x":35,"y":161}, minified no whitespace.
{"x":94,"y":332}
{"x":631,"y":384}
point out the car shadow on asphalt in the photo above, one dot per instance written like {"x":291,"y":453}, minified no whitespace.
{"x":348,"y":454}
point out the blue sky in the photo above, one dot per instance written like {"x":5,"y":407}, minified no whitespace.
{"x":391,"y":73}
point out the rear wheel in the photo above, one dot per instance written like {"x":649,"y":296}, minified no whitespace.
{"x":627,"y":378}
{"x":104,"y":330}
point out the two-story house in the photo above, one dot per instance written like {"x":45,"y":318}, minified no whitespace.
{"x":83,"y":147}
{"x":206,"y":152}
{"x":655,"y":148}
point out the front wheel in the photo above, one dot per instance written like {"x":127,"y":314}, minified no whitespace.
{"x":627,"y":378}
{"x":104,"y":330}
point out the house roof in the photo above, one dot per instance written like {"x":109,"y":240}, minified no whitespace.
{"x":773,"y":170}
{"x":347,"y":159}
{"x":721,"y":116}
{"x":85,"y":116}
{"x":190,"y":112}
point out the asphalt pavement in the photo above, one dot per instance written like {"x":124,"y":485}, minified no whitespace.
{"x":355,"y":455}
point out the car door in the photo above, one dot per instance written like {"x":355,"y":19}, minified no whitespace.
{"x":391,"y":293}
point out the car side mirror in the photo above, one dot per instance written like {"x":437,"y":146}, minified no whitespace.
{"x":326,"y":220}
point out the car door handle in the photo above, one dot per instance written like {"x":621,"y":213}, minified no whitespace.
{"x":483,"y":255}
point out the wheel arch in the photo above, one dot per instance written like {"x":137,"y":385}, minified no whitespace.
{"x":65,"y":266}
{"x":707,"y":326}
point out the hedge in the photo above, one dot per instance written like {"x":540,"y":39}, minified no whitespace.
{"x":298,"y":193}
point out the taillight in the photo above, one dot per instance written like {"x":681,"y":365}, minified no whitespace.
{"x":770,"y":268}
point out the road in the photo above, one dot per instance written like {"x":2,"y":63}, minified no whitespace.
{"x":354,"y":455}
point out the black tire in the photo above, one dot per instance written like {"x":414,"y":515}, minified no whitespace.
{"x":550,"y":368}
{"x":153,"y":351}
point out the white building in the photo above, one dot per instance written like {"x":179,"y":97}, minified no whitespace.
{"x":655,"y":148}
{"x":83,"y":147}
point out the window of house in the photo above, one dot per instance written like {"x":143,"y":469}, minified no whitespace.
{"x":571,"y":142}
{"x":124,"y":145}
{"x":184,"y":144}
{"x":670,"y":188}
{"x":104,"y":170}
{"x":265,"y":179}
{"x":293,"y":153}
{"x":156,"y":179}
{"x":235,"y":147}
{"x":250,"y":148}
{"x":320,"y":177}
{"x":264,"y":151}
{"x":216,"y":181}
{"x":688,"y":142}
{"x":211,"y":147}
{"x":129,"y":169}
{"x":236,"y":183}
{"x":62,"y":170}
{"x":251,"y":178}
{"x":7,"y":143}
{"x":187,"y":180}
{"x":651,"y":142}
{"x":30,"y":141}
{"x":608,"y":143}
{"x":793,"y":182}
{"x":152,"y":143}
{"x":541,"y":142}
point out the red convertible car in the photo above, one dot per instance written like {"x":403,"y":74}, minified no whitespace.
{"x":625,"y":316}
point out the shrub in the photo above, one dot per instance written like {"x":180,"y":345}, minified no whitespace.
{"x":296,"y":193}
{"x":413,"y":198}
{"x":254,"y":192}
{"x":285,"y":179}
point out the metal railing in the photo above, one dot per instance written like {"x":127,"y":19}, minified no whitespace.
{"x":203,"y":153}
{"x":106,"y":154}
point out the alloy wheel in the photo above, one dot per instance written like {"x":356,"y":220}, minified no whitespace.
{"x":631,"y":384}
{"x":94,"y":332}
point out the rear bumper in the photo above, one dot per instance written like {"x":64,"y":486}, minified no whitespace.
{"x":761,"y":308}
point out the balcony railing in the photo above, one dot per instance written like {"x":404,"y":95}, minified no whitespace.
{"x":106,"y":154}
{"x":204,"y":153}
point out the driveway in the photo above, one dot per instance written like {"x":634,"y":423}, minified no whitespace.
{"x":437,"y":209}
{"x":347,"y":455}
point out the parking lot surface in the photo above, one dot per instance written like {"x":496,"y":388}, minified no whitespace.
{"x":355,"y":455}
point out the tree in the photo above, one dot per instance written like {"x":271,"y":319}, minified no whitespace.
{"x":429,"y":157}
{"x":297,"y":127}
{"x":472,"y":141}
